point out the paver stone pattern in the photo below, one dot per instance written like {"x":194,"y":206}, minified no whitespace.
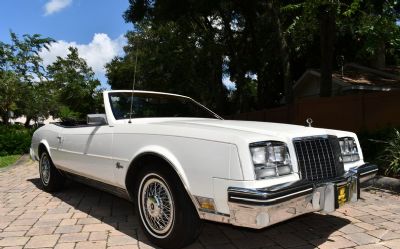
{"x":83,"y":217}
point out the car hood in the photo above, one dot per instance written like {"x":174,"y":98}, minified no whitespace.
{"x":248,"y":128}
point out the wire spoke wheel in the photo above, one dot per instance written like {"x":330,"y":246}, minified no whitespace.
{"x":163,"y":207}
{"x":52,"y":180}
{"x":45,"y":165}
{"x":156,"y":205}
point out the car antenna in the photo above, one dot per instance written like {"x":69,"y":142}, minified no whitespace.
{"x":133,"y":85}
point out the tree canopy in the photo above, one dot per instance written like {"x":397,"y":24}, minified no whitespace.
{"x":193,"y":47}
{"x":74,"y":86}
{"x":189,"y":46}
{"x":67,"y":88}
{"x":22,"y":76}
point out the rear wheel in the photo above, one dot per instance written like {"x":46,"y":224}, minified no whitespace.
{"x":165,"y":211}
{"x":52,"y":180}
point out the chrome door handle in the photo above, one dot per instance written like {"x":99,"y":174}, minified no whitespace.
{"x":59,"y":139}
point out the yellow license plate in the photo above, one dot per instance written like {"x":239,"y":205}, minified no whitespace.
{"x":342,"y":195}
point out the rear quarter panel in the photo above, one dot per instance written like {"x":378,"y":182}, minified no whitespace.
{"x":46,"y":135}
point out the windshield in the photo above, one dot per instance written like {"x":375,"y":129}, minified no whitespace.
{"x":153,"y":105}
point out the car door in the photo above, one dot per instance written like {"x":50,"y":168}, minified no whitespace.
{"x":87,"y":151}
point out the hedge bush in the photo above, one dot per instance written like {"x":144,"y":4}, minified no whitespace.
{"x":14,"y":139}
{"x":391,"y":155}
{"x":376,"y":145}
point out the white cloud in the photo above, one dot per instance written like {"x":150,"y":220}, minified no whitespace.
{"x":231,"y":86}
{"x":53,"y":6}
{"x":251,"y":75}
{"x":97,"y":53}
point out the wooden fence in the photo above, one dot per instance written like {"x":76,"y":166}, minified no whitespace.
{"x":353,"y":112}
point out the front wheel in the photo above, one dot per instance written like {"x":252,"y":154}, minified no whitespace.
{"x":165,"y":211}
{"x":52,"y":180}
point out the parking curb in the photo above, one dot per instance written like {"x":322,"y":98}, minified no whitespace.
{"x":388,"y":183}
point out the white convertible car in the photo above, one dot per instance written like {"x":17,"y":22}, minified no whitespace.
{"x":180,"y":163}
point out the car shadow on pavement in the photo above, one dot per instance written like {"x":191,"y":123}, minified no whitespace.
{"x":91,"y":206}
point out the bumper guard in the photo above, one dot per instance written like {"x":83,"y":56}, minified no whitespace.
{"x":259,"y":208}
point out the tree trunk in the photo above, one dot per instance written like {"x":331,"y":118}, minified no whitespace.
{"x":265,"y":91}
{"x":27,"y":121}
{"x":327,"y":33}
{"x":217,"y":88}
{"x":5,"y":118}
{"x":284,"y":51}
{"x":287,"y":77}
{"x":219,"y":91}
{"x":262,"y":85}
{"x":379,"y":61}
{"x":240,"y":90}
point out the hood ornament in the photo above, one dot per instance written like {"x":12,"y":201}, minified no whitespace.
{"x":309,"y":121}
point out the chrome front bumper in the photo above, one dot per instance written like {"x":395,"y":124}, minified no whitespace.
{"x":259,"y":208}
{"x":365,"y":172}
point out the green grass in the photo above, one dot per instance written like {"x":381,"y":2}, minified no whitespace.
{"x":8,"y":160}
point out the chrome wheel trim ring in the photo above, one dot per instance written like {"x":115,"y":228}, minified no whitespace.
{"x":156,"y":205}
{"x":45,"y":169}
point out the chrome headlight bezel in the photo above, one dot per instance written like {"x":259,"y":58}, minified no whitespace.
{"x":349,"y":149}
{"x":270,"y":159}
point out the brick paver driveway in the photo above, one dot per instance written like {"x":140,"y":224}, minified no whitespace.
{"x":82,"y":217}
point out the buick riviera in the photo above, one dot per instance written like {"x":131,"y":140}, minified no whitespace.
{"x":180,"y":164}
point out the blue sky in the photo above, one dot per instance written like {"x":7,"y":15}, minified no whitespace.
{"x":96,"y":27}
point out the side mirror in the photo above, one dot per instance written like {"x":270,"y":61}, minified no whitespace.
{"x":96,"y":119}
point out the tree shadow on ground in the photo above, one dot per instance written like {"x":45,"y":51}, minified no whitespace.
{"x":307,"y":231}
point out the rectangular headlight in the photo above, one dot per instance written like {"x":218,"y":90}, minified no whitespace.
{"x":349,"y":149}
{"x":270,"y":158}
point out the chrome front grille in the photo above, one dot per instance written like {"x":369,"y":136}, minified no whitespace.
{"x":318,"y":157}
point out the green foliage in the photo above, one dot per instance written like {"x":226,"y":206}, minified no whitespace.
{"x":8,"y":160}
{"x":183,"y":47}
{"x":65,"y":114}
{"x":10,"y":86}
{"x":274,"y":40}
{"x":188,"y":48}
{"x":364,"y":29}
{"x":15,"y":140}
{"x":374,"y":28}
{"x":22,"y":55}
{"x":21,"y":74}
{"x":169,"y":61}
{"x":74,"y":86}
{"x":376,"y":145}
{"x":65,"y":89}
{"x":28,"y":89}
{"x":391,"y":154}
